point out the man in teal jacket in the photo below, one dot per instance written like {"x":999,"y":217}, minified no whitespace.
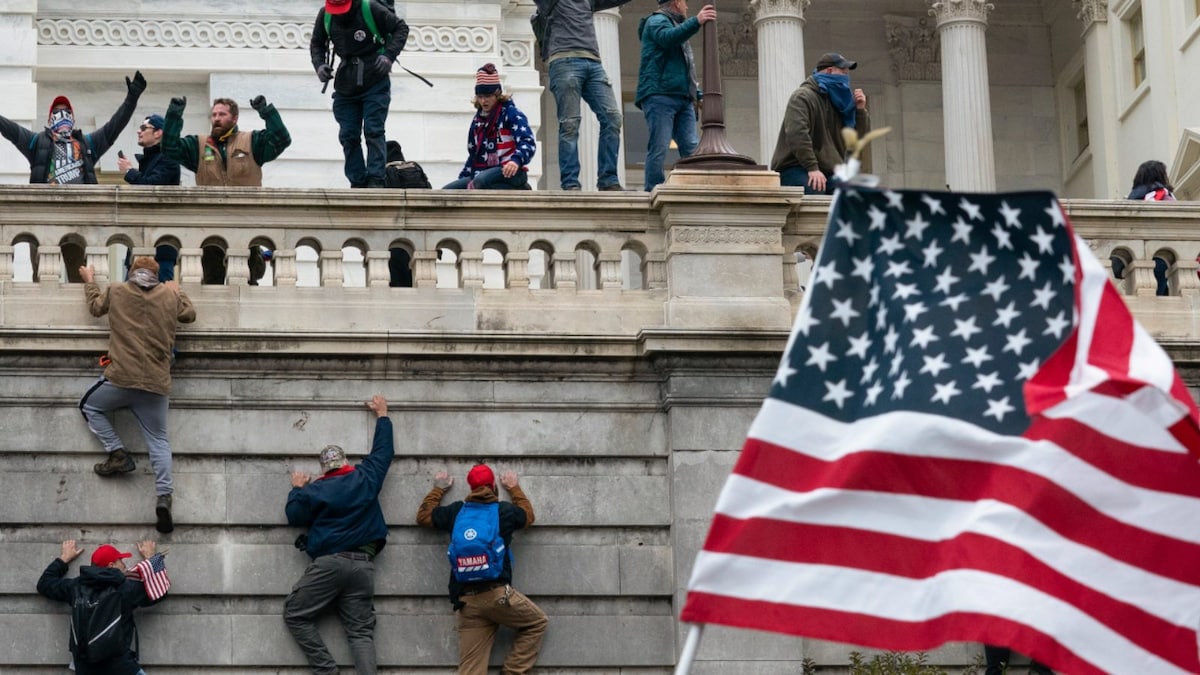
{"x":667,"y":90}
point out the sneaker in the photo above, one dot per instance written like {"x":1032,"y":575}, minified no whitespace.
{"x":162,"y":510}
{"x":118,"y":461}
{"x":615,"y":187}
{"x":375,"y":183}
{"x":572,"y":188}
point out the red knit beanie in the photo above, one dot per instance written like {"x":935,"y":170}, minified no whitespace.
{"x":487,"y":80}
{"x":480,"y":474}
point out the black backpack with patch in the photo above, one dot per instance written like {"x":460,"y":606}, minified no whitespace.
{"x":403,"y":174}
{"x":98,"y":629}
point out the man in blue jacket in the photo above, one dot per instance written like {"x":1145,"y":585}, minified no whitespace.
{"x":154,"y":168}
{"x":667,"y":90}
{"x":346,"y":531}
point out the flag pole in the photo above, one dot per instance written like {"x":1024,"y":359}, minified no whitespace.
{"x":690,"y":647}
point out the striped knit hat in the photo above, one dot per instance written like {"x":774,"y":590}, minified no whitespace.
{"x":487,"y":80}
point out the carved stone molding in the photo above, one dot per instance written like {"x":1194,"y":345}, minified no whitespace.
{"x":787,"y":9}
{"x":737,"y":42}
{"x":914,"y":47}
{"x":752,"y":236}
{"x":137,"y":32}
{"x":1091,"y":11}
{"x":960,"y":10}
{"x":516,"y":52}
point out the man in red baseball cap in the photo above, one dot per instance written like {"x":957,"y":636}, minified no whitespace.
{"x":106,"y":575}
{"x":62,"y":154}
{"x":484,"y":599}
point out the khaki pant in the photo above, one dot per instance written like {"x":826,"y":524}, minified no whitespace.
{"x":477,"y":622}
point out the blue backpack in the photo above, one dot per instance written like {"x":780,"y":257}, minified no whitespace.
{"x":477,"y":550}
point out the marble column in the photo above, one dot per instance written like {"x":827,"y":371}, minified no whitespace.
{"x":780,"y":28}
{"x":1101,"y":96}
{"x":970,"y":158}
{"x":589,"y":128}
{"x":18,"y":34}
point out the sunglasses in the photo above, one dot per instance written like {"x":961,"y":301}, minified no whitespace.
{"x":145,"y":127}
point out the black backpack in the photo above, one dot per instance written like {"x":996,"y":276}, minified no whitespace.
{"x":98,"y":629}
{"x":402,"y":174}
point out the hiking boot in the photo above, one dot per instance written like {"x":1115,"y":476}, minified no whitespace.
{"x":615,"y":187}
{"x":162,"y":511}
{"x":118,"y":461}
{"x":374,"y":183}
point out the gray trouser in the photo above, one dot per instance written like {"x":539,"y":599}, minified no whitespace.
{"x":348,"y":584}
{"x":148,"y":408}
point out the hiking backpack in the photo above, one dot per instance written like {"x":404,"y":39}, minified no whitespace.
{"x":98,"y":629}
{"x":477,"y":550}
{"x":405,"y":175}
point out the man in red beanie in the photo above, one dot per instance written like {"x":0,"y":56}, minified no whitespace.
{"x":62,"y":154}
{"x":107,"y":575}
{"x":481,"y":589}
{"x":142,"y":313}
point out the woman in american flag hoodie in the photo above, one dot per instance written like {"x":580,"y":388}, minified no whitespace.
{"x":500,"y":143}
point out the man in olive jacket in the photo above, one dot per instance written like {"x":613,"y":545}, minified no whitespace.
{"x":810,"y":144}
{"x":142,"y":313}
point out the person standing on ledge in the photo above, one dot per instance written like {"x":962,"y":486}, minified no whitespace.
{"x":153,"y":167}
{"x":810,"y":144}
{"x":227,"y":156}
{"x":61,"y":154}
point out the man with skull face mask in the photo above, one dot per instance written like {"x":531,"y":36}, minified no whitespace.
{"x":61,"y":153}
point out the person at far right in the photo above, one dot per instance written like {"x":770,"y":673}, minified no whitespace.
{"x":667,"y":90}
{"x":810,"y":143}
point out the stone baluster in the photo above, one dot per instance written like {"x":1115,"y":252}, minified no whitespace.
{"x":425,"y":269}
{"x":50,"y":263}
{"x":780,"y":28}
{"x":378,"y":273}
{"x":1185,"y":279}
{"x":516,"y":269}
{"x":237,"y":267}
{"x":565,"y":270}
{"x":470,"y":269}
{"x":654,"y":270}
{"x":791,"y":277}
{"x":332,"y":274}
{"x":285,"y":267}
{"x":970,"y":158}
{"x":609,"y":267}
{"x":6,"y":262}
{"x":191,"y":269}
{"x":96,"y":257}
{"x":1144,"y":283}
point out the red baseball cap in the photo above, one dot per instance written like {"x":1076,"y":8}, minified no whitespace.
{"x":337,"y":6}
{"x":480,"y":474}
{"x":108,"y":554}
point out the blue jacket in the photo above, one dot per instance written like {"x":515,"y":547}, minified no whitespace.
{"x":154,"y":168}
{"x":509,"y":140}
{"x":342,"y":512}
{"x":664,"y":67}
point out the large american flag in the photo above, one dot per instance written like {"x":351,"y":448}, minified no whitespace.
{"x":969,"y":438}
{"x":153,"y":573}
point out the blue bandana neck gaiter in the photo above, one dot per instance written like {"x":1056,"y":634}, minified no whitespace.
{"x":837,"y":87}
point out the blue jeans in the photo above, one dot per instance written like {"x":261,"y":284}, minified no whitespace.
{"x":571,"y":79}
{"x":364,"y":115}
{"x":667,"y":117}
{"x":492,"y":179}
{"x":796,"y":176}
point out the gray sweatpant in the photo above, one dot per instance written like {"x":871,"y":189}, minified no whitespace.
{"x":148,"y":408}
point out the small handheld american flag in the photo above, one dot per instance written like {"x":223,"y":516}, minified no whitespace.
{"x":153,"y":573}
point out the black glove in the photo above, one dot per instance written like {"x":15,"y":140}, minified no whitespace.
{"x":324,"y":73}
{"x":137,"y":85}
{"x":259,"y":103}
{"x":383,"y":64}
{"x":179,"y":103}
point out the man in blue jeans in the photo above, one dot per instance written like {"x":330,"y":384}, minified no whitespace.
{"x":362,"y":87}
{"x":346,"y":531}
{"x":572,"y":57}
{"x":667,"y":89}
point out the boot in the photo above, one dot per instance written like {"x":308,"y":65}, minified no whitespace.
{"x":162,"y":510}
{"x":118,"y":461}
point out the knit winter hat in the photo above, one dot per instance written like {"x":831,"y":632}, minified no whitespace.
{"x":481,"y":474}
{"x":487,"y":80}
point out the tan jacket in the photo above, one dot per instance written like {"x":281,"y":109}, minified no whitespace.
{"x":240,"y":168}
{"x":143,"y":332}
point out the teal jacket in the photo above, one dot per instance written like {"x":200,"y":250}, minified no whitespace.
{"x":664,"y":67}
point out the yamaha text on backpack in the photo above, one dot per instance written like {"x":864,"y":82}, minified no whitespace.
{"x":476,"y":548}
{"x":98,"y":632}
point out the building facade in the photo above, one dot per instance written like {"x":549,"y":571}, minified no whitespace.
{"x":1070,"y":95}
